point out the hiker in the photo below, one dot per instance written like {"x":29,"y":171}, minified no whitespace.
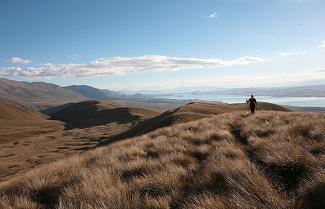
{"x":252,"y":103}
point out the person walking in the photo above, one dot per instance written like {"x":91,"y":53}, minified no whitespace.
{"x":252,"y":103}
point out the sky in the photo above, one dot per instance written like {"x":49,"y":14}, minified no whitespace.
{"x":155,"y":45}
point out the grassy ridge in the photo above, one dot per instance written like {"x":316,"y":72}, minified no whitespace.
{"x":233,"y":160}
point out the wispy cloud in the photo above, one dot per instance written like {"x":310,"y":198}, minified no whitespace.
{"x":123,"y":65}
{"x":321,"y":44}
{"x":214,"y":15}
{"x":19,"y":61}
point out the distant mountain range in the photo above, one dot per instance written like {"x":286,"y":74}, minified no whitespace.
{"x":26,"y":92}
{"x":94,"y":93}
{"x":41,"y":95}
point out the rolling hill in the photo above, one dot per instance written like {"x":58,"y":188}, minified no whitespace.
{"x":233,"y":160}
{"x":134,"y":100}
{"x":29,"y":139}
{"x":93,"y":113}
{"x":189,"y":112}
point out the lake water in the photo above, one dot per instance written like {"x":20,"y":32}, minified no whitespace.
{"x":293,"y":101}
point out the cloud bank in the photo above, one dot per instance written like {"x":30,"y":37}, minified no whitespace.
{"x":123,"y":65}
{"x":19,"y":61}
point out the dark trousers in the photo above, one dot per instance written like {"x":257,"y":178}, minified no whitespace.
{"x":252,"y":109}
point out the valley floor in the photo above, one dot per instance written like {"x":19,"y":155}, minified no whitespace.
{"x":20,"y":154}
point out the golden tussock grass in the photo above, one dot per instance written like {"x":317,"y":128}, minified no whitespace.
{"x":233,"y":160}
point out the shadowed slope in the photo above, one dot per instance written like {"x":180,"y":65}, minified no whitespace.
{"x":93,"y":113}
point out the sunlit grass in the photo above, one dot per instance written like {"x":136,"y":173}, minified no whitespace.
{"x":233,"y":160}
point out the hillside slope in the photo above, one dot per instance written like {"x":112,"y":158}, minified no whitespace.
{"x":28,"y":139}
{"x":14,"y":111}
{"x":93,"y":113}
{"x":190,"y":112}
{"x":17,"y":121}
{"x":229,"y":161}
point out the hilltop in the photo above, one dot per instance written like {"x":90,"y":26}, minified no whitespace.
{"x":189,"y":112}
{"x":231,"y":160}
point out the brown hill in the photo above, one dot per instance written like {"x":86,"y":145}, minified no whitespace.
{"x":14,"y":111}
{"x":36,"y":92}
{"x":271,"y":160}
{"x":189,"y":112}
{"x":93,"y":113}
{"x":261,"y":106}
{"x":28,"y":139}
{"x":207,"y":108}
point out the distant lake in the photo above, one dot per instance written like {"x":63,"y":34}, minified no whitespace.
{"x":293,"y":101}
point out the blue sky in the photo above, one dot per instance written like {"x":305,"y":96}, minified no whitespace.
{"x":159,"y":45}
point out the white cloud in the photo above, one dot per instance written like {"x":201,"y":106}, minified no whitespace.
{"x":321,"y":70}
{"x":19,"y":61}
{"x":122,"y":65}
{"x":213,"y":15}
{"x":321,"y":44}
